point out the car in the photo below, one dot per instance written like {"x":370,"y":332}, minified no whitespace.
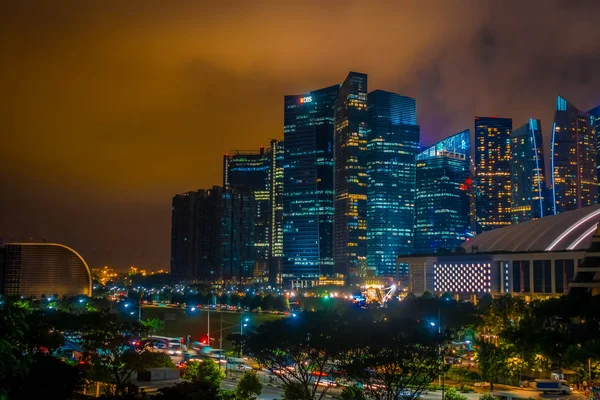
{"x":407,"y":394}
{"x":244,"y":367}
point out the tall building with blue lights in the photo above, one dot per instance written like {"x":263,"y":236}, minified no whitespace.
{"x":350,"y":175}
{"x":528,"y":177}
{"x":308,"y":184}
{"x":595,"y":117}
{"x":574,"y":153}
{"x":276,"y":155}
{"x":393,"y":143}
{"x":492,"y":172}
{"x":442,"y":206}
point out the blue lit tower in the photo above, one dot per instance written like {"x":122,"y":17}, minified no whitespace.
{"x":276,"y":155}
{"x":528,"y":178}
{"x":308,"y":184}
{"x":350,"y":175}
{"x":574,"y":174}
{"x":442,"y":206}
{"x":393,"y":143}
{"x":595,"y":116}
{"x":247,"y":202}
{"x":492,"y":172}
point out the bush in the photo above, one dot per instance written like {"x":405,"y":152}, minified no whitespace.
{"x":487,"y":396}
{"x":352,"y":393}
{"x":249,"y":386}
{"x":452,"y":394}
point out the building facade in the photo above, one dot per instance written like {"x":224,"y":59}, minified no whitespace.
{"x":196,"y":220}
{"x":43,"y":270}
{"x":536,"y":258}
{"x":595,"y":117}
{"x":247,"y":168}
{"x":308,"y":184}
{"x":528,"y":178}
{"x":574,"y":153}
{"x":276,"y":155}
{"x":442,"y":206}
{"x":350,"y":175}
{"x":393,"y":142}
{"x":492,"y":172}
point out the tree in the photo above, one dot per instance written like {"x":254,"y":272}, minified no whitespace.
{"x":492,"y":361}
{"x":200,"y":390}
{"x":249,"y":386}
{"x":206,"y":371}
{"x":452,"y":394}
{"x":281,"y":303}
{"x":352,"y":393}
{"x":298,"y":350}
{"x":106,"y":341}
{"x":256,"y":302}
{"x":268,"y":302}
{"x":153,"y":325}
{"x":393,"y":357}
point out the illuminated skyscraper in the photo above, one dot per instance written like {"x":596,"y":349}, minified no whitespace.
{"x":595,"y":115}
{"x":308,"y":184}
{"x":574,"y":174}
{"x":276,"y":155}
{"x":393,"y":143}
{"x":442,"y":206}
{"x":492,"y":172}
{"x":249,"y":172}
{"x":528,"y":178}
{"x":350,"y":175}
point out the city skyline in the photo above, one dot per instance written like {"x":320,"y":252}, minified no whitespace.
{"x":99,"y":138}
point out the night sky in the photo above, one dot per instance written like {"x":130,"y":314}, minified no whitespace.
{"x":108,"y":108}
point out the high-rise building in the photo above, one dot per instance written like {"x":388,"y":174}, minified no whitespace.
{"x":574,"y":174}
{"x":247,"y":168}
{"x":244,"y":235}
{"x":442,"y":211}
{"x":196,"y":235}
{"x":308,"y":184}
{"x":492,"y":172}
{"x":595,"y":115}
{"x":393,"y":142}
{"x":250,"y":173}
{"x":528,"y":178}
{"x":276,"y":155}
{"x":350,"y":175}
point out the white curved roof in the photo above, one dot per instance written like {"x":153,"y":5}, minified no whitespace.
{"x":571,"y":230}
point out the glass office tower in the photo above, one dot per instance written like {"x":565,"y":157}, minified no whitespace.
{"x":528,"y":178}
{"x":393,"y":143}
{"x":250,"y":173}
{"x":350,"y":175}
{"x":595,"y":117}
{"x":442,"y":206}
{"x":574,"y":174}
{"x":492,"y":172}
{"x":308,"y":184}
{"x":276,"y":155}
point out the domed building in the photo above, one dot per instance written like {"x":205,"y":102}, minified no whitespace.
{"x":43,"y":269}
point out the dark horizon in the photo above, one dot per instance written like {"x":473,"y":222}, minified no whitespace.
{"x":110,"y":109}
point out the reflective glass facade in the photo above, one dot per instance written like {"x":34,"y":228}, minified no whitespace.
{"x":528,"y":178}
{"x":492,"y":172}
{"x":442,"y":206}
{"x":308,"y":184}
{"x":276,"y":155}
{"x":574,"y":174}
{"x":350,"y":175}
{"x":393,"y":143}
{"x":595,"y":117}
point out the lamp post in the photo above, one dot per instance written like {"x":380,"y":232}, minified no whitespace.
{"x":243,"y":324}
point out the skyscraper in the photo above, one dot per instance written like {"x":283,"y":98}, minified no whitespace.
{"x":528,"y":178}
{"x":250,"y":173}
{"x":196,"y":235}
{"x":442,"y":206}
{"x":350,"y":175}
{"x":574,"y":174}
{"x":595,"y":115}
{"x":492,"y":172}
{"x":308,"y":184}
{"x":276,"y":155}
{"x":393,"y":142}
{"x":244,"y":237}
